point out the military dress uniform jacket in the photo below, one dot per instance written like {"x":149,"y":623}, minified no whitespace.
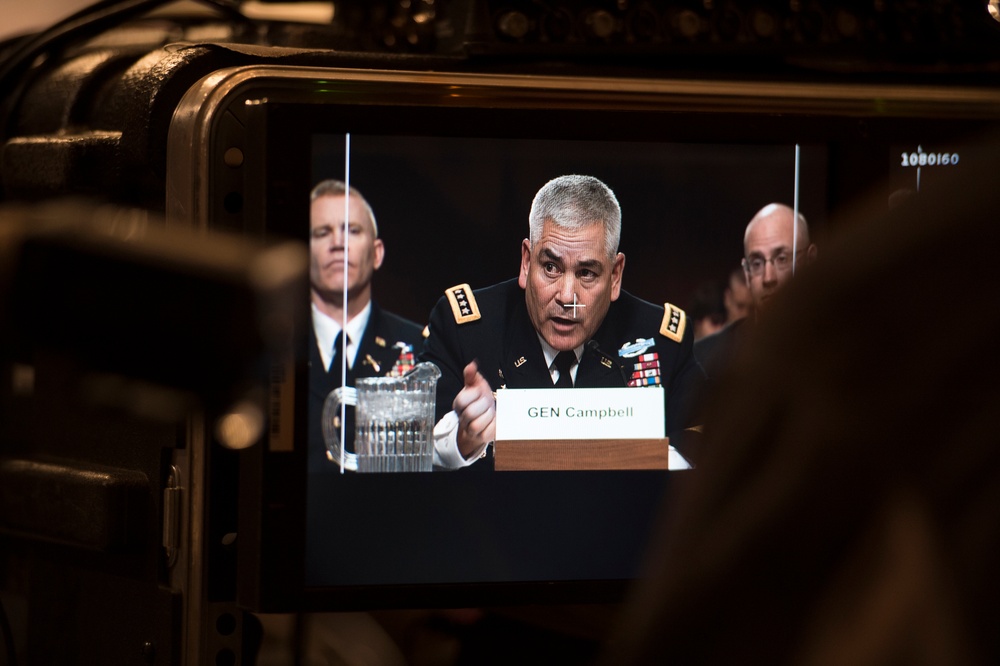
{"x":640,"y":344}
{"x":388,"y":342}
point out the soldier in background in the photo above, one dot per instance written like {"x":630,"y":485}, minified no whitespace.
{"x":378,"y":343}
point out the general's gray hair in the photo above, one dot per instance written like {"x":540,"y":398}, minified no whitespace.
{"x":338,"y":188}
{"x":574,"y":202}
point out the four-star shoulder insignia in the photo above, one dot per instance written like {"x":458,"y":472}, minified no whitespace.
{"x":463,"y":303}
{"x":674,"y":322}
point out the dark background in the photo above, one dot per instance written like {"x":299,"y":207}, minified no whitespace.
{"x":454,"y":210}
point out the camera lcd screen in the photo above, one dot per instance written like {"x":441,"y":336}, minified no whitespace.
{"x":449,"y":165}
{"x":454,"y":210}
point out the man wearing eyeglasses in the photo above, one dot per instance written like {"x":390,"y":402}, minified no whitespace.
{"x":774,"y":248}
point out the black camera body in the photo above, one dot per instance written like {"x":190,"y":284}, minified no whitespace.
{"x":162,"y":526}
{"x":93,"y":117}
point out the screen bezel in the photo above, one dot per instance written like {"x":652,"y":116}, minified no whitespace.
{"x":278,"y":108}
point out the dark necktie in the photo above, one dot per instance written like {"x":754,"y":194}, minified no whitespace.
{"x":337,"y":345}
{"x":564,"y":361}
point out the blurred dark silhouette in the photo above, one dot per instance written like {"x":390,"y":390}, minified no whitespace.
{"x":736,"y":296}
{"x":847,"y":508}
{"x":707,"y":310}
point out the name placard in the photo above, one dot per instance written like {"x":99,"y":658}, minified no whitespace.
{"x":580,"y":413}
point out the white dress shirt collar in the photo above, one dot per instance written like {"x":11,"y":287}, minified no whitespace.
{"x":327,"y":328}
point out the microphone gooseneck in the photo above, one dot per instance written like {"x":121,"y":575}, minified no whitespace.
{"x":595,"y":348}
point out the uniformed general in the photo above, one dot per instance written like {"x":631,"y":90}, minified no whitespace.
{"x":565,"y":321}
{"x":378,"y":342}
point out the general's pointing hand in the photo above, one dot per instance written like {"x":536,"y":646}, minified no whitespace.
{"x":477,"y":411}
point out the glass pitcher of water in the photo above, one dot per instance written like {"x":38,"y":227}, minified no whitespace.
{"x":393,"y":422}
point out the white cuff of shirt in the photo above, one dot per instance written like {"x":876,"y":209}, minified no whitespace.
{"x":446,"y":453}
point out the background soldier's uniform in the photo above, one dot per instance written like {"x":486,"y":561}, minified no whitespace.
{"x":388,"y":346}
